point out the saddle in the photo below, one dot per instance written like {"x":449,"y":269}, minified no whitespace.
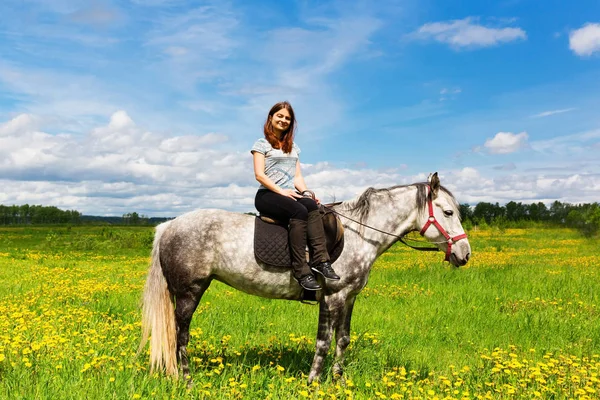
{"x":271,"y":239}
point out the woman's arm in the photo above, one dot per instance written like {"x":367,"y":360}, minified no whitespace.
{"x":299,"y":181}
{"x":259,"y":173}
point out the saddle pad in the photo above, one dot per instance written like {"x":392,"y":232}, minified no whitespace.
{"x":271,"y":244}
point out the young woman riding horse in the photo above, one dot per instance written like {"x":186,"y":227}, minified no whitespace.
{"x":280,"y":195}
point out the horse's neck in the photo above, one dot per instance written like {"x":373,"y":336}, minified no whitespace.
{"x":392,"y":213}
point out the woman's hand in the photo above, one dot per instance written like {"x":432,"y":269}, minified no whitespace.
{"x":310,"y":194}
{"x":291,"y":193}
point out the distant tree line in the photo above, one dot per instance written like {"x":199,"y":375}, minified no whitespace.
{"x":135,"y":219}
{"x":26,"y":214}
{"x":584,"y":217}
{"x":40,"y":215}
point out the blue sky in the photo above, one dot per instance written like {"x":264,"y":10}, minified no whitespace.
{"x":151,"y":106}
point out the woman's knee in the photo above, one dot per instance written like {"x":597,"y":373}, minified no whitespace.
{"x":309,"y":204}
{"x":299,"y":212}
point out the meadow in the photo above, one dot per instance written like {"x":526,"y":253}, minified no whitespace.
{"x":521,"y":320}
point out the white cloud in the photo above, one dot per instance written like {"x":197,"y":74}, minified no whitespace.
{"x":191,"y":143}
{"x":506,"y":142}
{"x":470,"y":186}
{"x":585,"y":41}
{"x":568,"y":144}
{"x":552,"y":112}
{"x":118,"y":151}
{"x":21,"y":123}
{"x":467,"y":33}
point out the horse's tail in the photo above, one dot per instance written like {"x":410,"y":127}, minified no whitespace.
{"x":158,"y":315}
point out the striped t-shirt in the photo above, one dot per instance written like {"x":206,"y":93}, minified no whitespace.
{"x":280,"y":167}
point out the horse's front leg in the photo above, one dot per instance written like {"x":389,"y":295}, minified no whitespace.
{"x":342,"y":336}
{"x":328,"y":315}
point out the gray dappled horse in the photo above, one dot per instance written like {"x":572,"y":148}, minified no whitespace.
{"x":195,"y":248}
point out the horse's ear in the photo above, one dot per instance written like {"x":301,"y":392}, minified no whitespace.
{"x":434,"y":183}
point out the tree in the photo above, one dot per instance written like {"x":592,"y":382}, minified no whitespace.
{"x":488,"y":211}
{"x":24,"y":213}
{"x":558,"y":212}
{"x":575,"y":218}
{"x":466,"y":213}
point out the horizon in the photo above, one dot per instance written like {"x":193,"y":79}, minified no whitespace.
{"x":472,"y":206}
{"x":123,"y":105}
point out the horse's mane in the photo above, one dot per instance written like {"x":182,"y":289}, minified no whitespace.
{"x":362,"y":204}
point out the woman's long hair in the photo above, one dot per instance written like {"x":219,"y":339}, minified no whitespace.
{"x":288,"y":136}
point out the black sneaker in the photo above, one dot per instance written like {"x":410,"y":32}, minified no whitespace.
{"x":326,"y":270}
{"x":309,"y":282}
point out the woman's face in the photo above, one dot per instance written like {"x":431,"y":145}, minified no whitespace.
{"x":281,"y":120}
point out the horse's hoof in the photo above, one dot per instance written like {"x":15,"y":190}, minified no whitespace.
{"x":189,"y":380}
{"x":313,"y":378}
{"x":340,"y":379}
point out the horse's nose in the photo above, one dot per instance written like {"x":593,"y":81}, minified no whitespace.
{"x":467,"y":256}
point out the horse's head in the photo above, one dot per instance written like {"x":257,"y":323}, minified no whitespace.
{"x":442,"y":225}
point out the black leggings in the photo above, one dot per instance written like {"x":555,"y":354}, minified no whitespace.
{"x":283,"y":208}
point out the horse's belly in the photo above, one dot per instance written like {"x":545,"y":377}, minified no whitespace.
{"x":277,"y":284}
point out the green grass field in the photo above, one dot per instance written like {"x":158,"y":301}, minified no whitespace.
{"x":521,"y":320}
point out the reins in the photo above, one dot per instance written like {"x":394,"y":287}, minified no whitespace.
{"x":430,"y":221}
{"x":400,"y":238}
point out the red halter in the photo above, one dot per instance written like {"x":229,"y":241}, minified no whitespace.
{"x":432,"y":220}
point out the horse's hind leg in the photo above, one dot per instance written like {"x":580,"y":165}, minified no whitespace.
{"x":185,"y":304}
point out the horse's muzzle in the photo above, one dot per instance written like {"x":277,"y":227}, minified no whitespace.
{"x":459,"y":261}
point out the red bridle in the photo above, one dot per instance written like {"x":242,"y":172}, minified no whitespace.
{"x":432,"y":220}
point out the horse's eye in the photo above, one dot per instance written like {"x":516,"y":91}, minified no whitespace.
{"x":449,"y":213}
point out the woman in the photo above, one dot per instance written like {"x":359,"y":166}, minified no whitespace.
{"x":277,"y":169}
